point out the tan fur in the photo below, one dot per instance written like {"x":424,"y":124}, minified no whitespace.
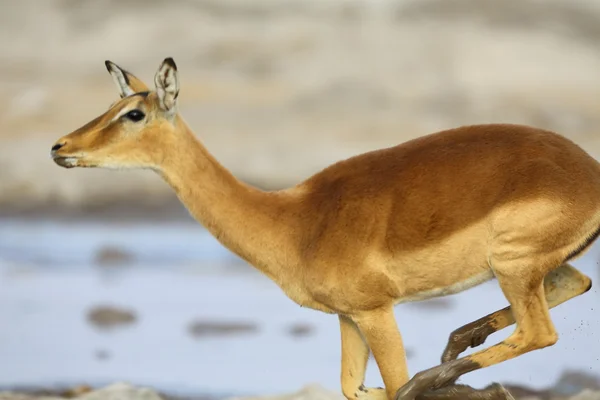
{"x":428,"y":217}
{"x":560,"y":285}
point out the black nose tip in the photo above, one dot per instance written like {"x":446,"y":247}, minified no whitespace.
{"x":57,"y":146}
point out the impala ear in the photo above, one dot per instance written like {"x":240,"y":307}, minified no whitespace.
{"x":127,"y":83}
{"x":167,"y":85}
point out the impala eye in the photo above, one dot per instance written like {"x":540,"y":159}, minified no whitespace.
{"x":135,"y":115}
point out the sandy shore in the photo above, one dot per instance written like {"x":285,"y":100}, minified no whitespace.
{"x":278,"y":90}
{"x":124,"y":391}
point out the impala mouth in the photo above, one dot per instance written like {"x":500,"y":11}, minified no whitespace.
{"x":65,"y":161}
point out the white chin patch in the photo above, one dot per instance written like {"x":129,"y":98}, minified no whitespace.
{"x":70,"y":161}
{"x":114,"y":165}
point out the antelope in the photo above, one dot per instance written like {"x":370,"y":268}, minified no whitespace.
{"x":430,"y":217}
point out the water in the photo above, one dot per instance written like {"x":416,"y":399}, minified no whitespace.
{"x":179,"y":274}
{"x":75,"y":244}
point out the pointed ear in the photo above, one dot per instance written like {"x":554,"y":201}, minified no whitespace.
{"x":127,"y":83}
{"x":167,"y":85}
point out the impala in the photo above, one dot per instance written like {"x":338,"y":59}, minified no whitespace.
{"x":430,"y":217}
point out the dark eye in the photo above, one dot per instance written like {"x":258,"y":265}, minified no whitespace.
{"x":135,"y":115}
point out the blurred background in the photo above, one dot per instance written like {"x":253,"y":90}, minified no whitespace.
{"x":104,"y":276}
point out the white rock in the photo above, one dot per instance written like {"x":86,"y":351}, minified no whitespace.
{"x":310,"y":392}
{"x":587,"y":394}
{"x":122,"y":391}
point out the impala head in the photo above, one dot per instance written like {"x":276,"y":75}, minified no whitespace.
{"x":133,"y":132}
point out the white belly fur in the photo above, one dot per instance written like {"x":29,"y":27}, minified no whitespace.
{"x":452,"y":289}
{"x":458,"y":263}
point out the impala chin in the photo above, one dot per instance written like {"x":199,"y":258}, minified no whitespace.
{"x":71,"y":161}
{"x":67,"y":162}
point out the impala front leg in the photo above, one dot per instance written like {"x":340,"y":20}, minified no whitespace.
{"x":383,"y":337}
{"x":355,"y":354}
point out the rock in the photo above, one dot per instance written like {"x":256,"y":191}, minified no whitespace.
{"x":300,"y":330}
{"x":587,"y":394}
{"x":108,"y":317}
{"x":116,"y":391}
{"x":199,"y":329}
{"x":77,"y":391}
{"x":520,"y":392}
{"x":102,"y":355}
{"x":570,"y":386}
{"x":19,"y":396}
{"x":122,"y":391}
{"x":125,"y":391}
{"x":111,"y":256}
{"x":310,"y":392}
{"x":571,"y":382}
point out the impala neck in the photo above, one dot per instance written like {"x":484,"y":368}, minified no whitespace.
{"x":255,"y":225}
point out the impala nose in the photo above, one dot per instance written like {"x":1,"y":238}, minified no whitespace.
{"x":57,"y":146}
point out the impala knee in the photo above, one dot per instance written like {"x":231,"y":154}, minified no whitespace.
{"x":534,"y":341}
{"x":545,"y":340}
{"x":456,"y":337}
{"x":475,"y":336}
{"x":588,"y":285}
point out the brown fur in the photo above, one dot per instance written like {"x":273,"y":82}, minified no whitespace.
{"x":429,"y":217}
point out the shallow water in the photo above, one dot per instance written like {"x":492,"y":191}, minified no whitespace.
{"x":178,"y":274}
{"x":75,"y":244}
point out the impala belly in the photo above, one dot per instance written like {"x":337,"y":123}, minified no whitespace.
{"x":457,"y":287}
{"x":457,"y":263}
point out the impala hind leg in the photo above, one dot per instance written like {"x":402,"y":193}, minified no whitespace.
{"x":381,"y":334}
{"x":534,"y":330}
{"x":560,"y":285}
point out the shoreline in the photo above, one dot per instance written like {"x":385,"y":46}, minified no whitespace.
{"x":561,"y":391}
{"x":123,"y":207}
{"x":121,"y":210}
